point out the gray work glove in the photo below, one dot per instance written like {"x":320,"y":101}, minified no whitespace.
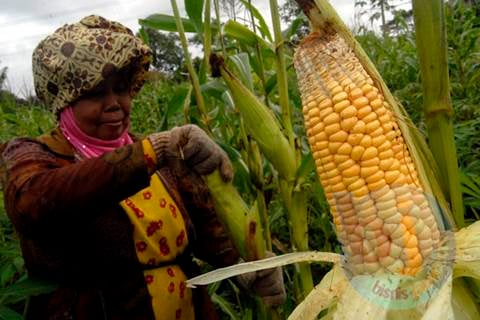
{"x":195,"y":147}
{"x":268,"y":284}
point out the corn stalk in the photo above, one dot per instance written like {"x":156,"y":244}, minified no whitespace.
{"x":207,"y":36}
{"x":191,"y":71}
{"x":281,"y":73}
{"x":261,"y":74}
{"x":432,"y":54}
{"x":219,"y":25}
{"x":293,"y":197}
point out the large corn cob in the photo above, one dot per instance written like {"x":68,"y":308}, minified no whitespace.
{"x":382,"y":217}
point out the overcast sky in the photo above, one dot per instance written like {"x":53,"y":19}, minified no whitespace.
{"x":23,"y":23}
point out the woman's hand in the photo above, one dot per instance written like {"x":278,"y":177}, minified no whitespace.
{"x":268,"y":284}
{"x":195,"y":147}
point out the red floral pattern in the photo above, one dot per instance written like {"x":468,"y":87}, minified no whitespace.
{"x":150,"y":162}
{"x":160,"y":237}
{"x":183,"y":287}
{"x":153,"y":227}
{"x":180,"y":238}
{"x":164,"y":248}
{"x":141,"y":246}
{"x":173,"y":210}
{"x":163,"y":203}
{"x":147,"y":195}
{"x":139,"y":213}
{"x":149,"y":279}
{"x":171,"y":287}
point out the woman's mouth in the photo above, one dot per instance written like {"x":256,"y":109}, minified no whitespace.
{"x":114,"y":123}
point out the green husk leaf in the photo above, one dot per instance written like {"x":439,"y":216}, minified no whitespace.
{"x":262,"y":125}
{"x":242,"y":64}
{"x":462,"y":302}
{"x":242,"y":223}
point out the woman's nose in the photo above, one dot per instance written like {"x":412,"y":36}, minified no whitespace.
{"x":111,"y":99}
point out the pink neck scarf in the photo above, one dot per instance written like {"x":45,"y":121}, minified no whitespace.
{"x":85,"y":145}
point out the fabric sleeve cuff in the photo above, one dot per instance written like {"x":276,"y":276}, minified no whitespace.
{"x":150,"y":155}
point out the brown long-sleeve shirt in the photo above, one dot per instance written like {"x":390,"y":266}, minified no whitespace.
{"x":73,"y":231}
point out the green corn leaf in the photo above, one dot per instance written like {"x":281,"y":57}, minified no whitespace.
{"x":292,"y":29}
{"x":227,"y":98}
{"x":214,"y":88}
{"x":7,"y":272}
{"x":166,"y":23}
{"x":181,"y":97}
{"x":144,"y":35}
{"x":24,"y":288}
{"x":225,"y":306}
{"x":244,"y":35}
{"x":262,"y":25}
{"x":271,"y":84}
{"x":194,"y":10}
{"x":306,"y":167}
{"x":8,"y":314}
{"x":469,"y":186}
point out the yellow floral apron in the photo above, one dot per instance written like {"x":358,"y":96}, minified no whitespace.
{"x":160,"y":237}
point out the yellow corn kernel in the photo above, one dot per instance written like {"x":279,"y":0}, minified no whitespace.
{"x":349,"y":123}
{"x":349,"y":112}
{"x":360,"y":102}
{"x":357,"y":152}
{"x":355,"y":94}
{"x":340,"y":106}
{"x":340,"y":97}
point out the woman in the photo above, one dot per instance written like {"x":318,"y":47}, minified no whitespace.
{"x":112,"y":219}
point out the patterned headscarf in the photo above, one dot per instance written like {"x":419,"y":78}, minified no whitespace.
{"x":77,"y":57}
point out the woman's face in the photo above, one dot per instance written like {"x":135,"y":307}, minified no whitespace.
{"x":104,"y":112}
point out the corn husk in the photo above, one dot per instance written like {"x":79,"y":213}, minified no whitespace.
{"x":467,"y":254}
{"x":242,"y":223}
{"x":260,"y":123}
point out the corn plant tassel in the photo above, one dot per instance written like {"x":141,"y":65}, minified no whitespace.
{"x":382,"y":217}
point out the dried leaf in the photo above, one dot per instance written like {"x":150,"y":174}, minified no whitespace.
{"x":324,"y":295}
{"x":277,"y":261}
